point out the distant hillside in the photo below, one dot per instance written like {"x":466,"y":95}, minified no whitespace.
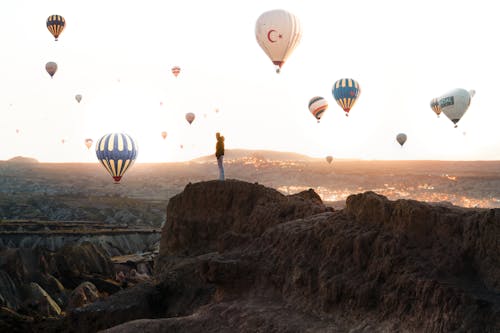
{"x":260,"y":154}
{"x":23,"y":160}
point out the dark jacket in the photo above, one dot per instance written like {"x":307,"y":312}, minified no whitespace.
{"x":219,"y":147}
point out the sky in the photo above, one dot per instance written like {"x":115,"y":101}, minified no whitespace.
{"x":118,"y":55}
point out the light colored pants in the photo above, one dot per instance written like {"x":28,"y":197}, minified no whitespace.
{"x":220,"y":162}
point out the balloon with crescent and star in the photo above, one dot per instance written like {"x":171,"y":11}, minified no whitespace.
{"x":278,"y":33}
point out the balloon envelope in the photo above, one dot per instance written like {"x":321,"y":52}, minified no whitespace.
{"x":176,"y":70}
{"x":435,"y":106}
{"x":401,"y":139}
{"x":51,"y":68}
{"x":164,"y":135}
{"x":56,"y":25}
{"x":190,"y":117}
{"x":346,"y":92}
{"x":117,"y":153}
{"x":78,"y":98}
{"x":317,"y":106}
{"x":329,"y":159}
{"x":88,"y":143}
{"x":454,"y":104}
{"x":278,"y":33}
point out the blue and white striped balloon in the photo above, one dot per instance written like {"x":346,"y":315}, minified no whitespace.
{"x":116,"y":152}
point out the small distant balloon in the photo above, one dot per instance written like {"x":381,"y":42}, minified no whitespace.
{"x":317,"y":106}
{"x":88,"y":142}
{"x":182,"y":146}
{"x":161,"y":103}
{"x":164,"y":135}
{"x":346,"y":92}
{"x":435,"y":106}
{"x":401,"y":139}
{"x":17,"y":131}
{"x":216,"y":110}
{"x":176,"y":70}
{"x":51,"y":68}
{"x":190,"y":117}
{"x":78,"y":98}
{"x":117,"y":153}
{"x":63,"y":141}
{"x":329,"y":159}
{"x":56,"y":25}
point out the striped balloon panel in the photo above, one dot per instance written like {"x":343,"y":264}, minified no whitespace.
{"x":56,"y":24}
{"x":435,"y":106}
{"x":318,"y":105}
{"x":116,"y":152}
{"x":345,"y":92}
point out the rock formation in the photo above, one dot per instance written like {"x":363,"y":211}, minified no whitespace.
{"x":240,"y":257}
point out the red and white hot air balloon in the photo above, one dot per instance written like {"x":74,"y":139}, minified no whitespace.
{"x":88,"y":143}
{"x":278,"y":33}
{"x":190,"y":117}
{"x":176,"y":70}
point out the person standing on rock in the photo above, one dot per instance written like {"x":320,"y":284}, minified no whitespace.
{"x":219,"y":154}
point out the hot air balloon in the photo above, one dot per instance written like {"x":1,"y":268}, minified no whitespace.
{"x":56,"y":24}
{"x":63,"y":141}
{"x":88,"y":143}
{"x":190,"y":117}
{"x":17,"y":131}
{"x":51,"y":68}
{"x":472,"y":92}
{"x":317,"y":106}
{"x":345,"y":92}
{"x":278,"y":33}
{"x":78,"y":98}
{"x":164,"y":135}
{"x":176,"y":70}
{"x":401,"y":139}
{"x":454,"y":104}
{"x":117,"y":153}
{"x":435,"y":106}
{"x":329,"y":159}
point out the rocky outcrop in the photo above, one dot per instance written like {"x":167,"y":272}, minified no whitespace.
{"x":376,"y":266}
{"x":82,"y":295}
{"x":239,"y":257}
{"x":208,"y":213}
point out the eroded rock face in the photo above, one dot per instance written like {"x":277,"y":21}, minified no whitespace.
{"x":399,"y":265}
{"x":239,"y":257}
{"x":206,"y":212}
{"x":82,"y":295}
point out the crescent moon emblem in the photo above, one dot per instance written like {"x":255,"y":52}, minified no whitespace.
{"x":269,"y":36}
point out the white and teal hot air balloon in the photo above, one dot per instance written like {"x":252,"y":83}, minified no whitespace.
{"x":454,"y":104}
{"x":317,"y":106}
{"x":117,"y":153}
